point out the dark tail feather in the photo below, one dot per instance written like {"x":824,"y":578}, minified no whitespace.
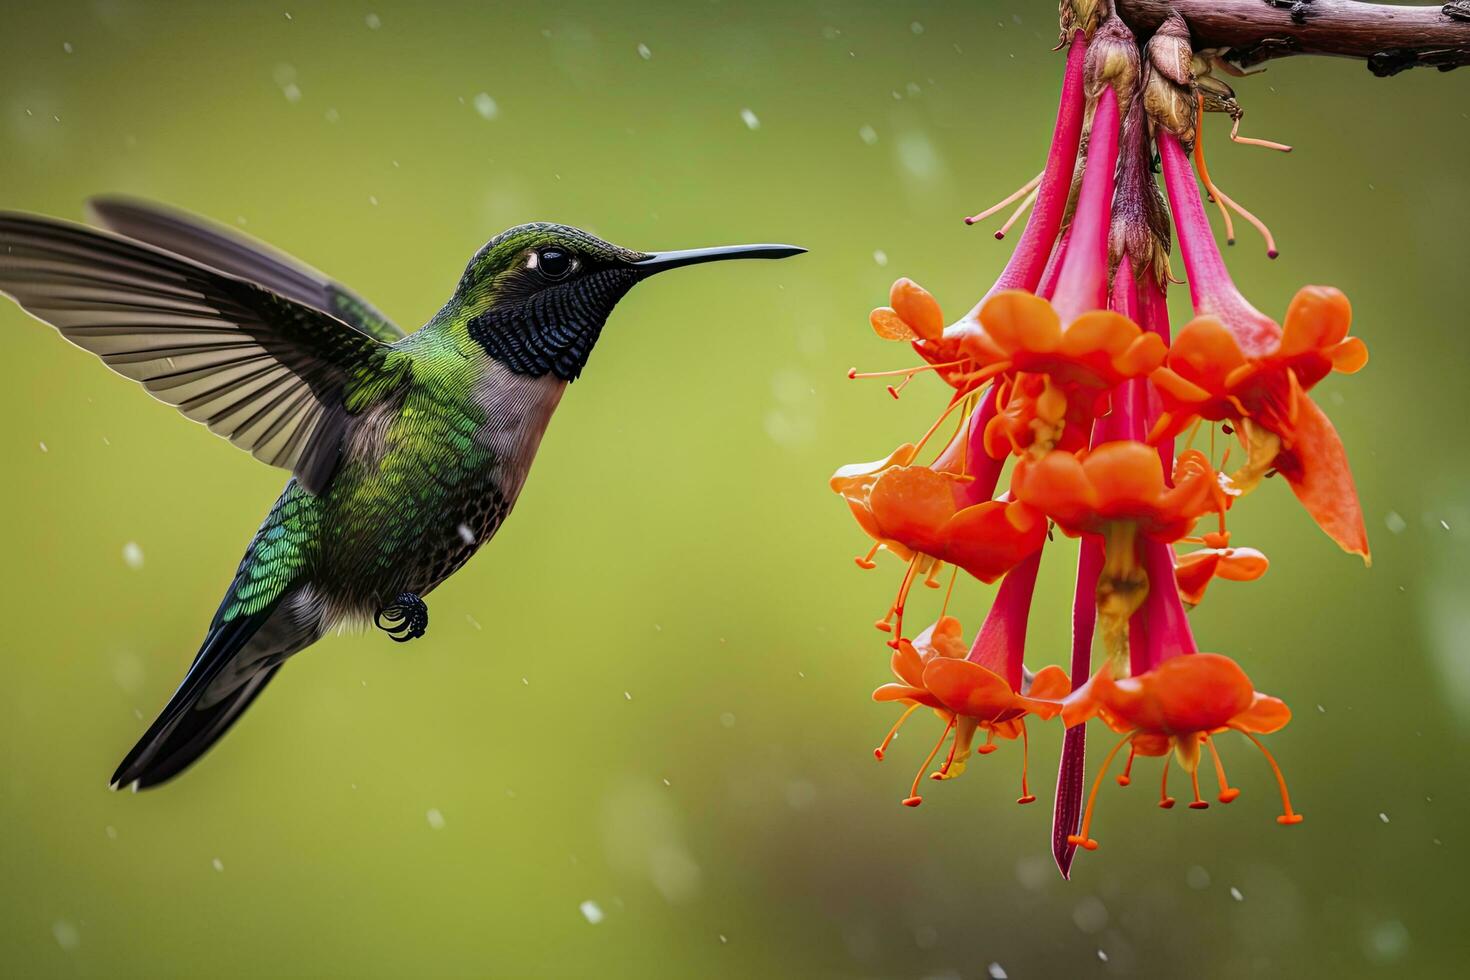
{"x":186,"y":728}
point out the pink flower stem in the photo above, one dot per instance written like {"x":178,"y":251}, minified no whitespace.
{"x":967,"y":454}
{"x":1154,"y":316}
{"x":1211,"y":289}
{"x":1083,"y":282}
{"x":1072,"y":774}
{"x":1000,"y":646}
{"x":1023,"y":271}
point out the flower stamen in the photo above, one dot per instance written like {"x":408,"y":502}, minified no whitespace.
{"x":1080,"y":839}
{"x":1166,"y":802}
{"x":1126,"y":776}
{"x":1197,"y":803}
{"x":914,"y":799}
{"x":1026,"y":796}
{"x":893,"y":732}
{"x":1289,"y":816}
{"x":1224,"y":201}
{"x":1021,"y":209}
{"x":1025,"y":190}
{"x":1228,"y":793}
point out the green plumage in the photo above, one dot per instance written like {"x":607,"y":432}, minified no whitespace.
{"x":407,"y":452}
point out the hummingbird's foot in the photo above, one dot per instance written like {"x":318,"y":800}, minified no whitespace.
{"x":406,"y":619}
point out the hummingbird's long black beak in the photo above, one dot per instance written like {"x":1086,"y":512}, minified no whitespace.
{"x":659,"y":261}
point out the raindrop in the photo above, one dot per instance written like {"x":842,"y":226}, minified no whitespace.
{"x":486,"y":106}
{"x":44,"y":449}
{"x":1395,"y":522}
{"x":465,"y":534}
{"x":916,"y":27}
{"x":644,"y":52}
{"x":435,"y":818}
{"x":291,"y":91}
{"x":591,"y":911}
{"x":132,"y":555}
{"x":373,"y":21}
{"x":752,"y":121}
{"x":67,"y":936}
{"x":868,"y":134}
{"x":997,"y":972}
{"x":1235,"y":894}
{"x":217,"y":864}
{"x":66,"y":46}
{"x":1383,"y":817}
{"x":727,"y":720}
{"x":1102,"y":956}
{"x":1197,"y":878}
{"x":880,"y":257}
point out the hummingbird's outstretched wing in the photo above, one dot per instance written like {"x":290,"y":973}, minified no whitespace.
{"x":240,"y":255}
{"x":277,"y":378}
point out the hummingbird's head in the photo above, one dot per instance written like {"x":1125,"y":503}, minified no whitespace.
{"x":535,"y":297}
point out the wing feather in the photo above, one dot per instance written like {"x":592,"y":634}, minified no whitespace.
{"x":265,"y":371}
{"x":239,"y":255}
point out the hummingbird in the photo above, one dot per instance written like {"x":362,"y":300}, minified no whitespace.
{"x":406,"y":451}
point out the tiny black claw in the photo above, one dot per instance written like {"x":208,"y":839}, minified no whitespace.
{"x":406,"y":619}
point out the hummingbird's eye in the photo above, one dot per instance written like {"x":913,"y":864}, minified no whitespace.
{"x":554,"y":263}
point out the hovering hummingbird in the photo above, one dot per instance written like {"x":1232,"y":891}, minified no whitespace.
{"x":406,"y":451}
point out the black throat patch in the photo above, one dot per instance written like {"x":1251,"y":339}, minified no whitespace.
{"x":553,"y":330}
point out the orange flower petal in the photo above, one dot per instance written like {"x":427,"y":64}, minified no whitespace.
{"x":1318,"y":317}
{"x":1051,"y":682}
{"x":968,"y":689}
{"x":912,"y":504}
{"x":1018,"y":320}
{"x":1142,"y":356}
{"x":889,"y":325}
{"x":903,"y":692}
{"x":917,"y":308}
{"x":1316,"y":467}
{"x":1265,"y":715}
{"x":1350,"y":356}
{"x":989,"y":539}
{"x":1171,"y":383}
{"x":1098,"y":330}
{"x":1205,"y":352}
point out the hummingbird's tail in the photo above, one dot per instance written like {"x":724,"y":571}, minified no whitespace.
{"x":237,"y":660}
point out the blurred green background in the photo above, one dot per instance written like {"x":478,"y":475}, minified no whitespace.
{"x":650,"y":693}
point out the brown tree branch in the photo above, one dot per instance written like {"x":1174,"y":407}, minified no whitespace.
{"x":1390,"y":39}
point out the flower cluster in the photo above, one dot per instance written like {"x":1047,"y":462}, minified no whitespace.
{"x":1066,"y":381}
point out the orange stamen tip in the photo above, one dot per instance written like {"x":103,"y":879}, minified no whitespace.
{"x":893,"y":391}
{"x":878,"y":754}
{"x":1287,"y":819}
{"x":1000,"y":235}
{"x":1086,"y":842}
{"x":930,"y":583}
{"x":852,"y":374}
{"x":1199,"y":805}
{"x":913,"y":801}
{"x":1167,"y":803}
{"x":987,"y":748}
{"x":1124,"y":780}
{"x":865,"y":562}
{"x":1271,"y":253}
{"x":1026,"y":799}
{"x":883,"y":625}
{"x":1229,"y":795}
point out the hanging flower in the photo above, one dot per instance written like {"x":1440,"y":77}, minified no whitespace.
{"x":1234,"y":363}
{"x":1195,"y":570}
{"x":1179,"y":705}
